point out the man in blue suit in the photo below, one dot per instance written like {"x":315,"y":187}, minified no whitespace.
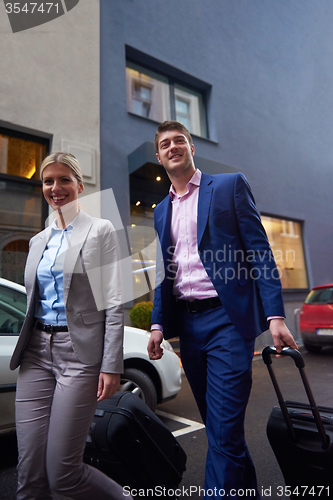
{"x":221,"y":290}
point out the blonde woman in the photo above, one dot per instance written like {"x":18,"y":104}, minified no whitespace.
{"x":70,"y":347}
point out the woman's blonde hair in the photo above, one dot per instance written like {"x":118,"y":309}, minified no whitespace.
{"x":66,"y":159}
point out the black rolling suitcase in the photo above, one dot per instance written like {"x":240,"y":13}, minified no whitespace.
{"x":130,"y":444}
{"x":301,"y":436}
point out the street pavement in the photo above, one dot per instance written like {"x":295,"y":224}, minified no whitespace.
{"x":191,"y":435}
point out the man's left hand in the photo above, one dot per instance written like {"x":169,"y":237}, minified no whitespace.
{"x":281,"y":334}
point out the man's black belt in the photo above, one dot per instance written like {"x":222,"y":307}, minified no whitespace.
{"x":198,"y":305}
{"x":51,"y":328}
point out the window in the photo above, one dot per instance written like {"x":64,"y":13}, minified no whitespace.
{"x":148,"y":93}
{"x":142,"y":98}
{"x":148,"y":186}
{"x":158,"y":97}
{"x":21,"y":201}
{"x":20,"y":156}
{"x":189,"y":109}
{"x":13,"y":306}
{"x":285,"y":237}
{"x":320,"y":296}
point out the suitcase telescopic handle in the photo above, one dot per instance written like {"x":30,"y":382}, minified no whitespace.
{"x":286,"y":351}
{"x":299,"y":362}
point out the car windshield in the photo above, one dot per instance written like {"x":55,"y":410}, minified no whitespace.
{"x":13,"y":305}
{"x":320,"y":296}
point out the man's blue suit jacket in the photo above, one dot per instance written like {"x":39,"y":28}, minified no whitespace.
{"x":234,"y":250}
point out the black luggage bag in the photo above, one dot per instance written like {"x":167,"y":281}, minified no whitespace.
{"x":301,"y":436}
{"x":130,"y":444}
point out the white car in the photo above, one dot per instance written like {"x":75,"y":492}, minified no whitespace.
{"x":153,"y":381}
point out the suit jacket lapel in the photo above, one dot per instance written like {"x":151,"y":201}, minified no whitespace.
{"x":164,"y":225}
{"x":80,"y":231}
{"x":34,"y":258}
{"x":204,"y":201}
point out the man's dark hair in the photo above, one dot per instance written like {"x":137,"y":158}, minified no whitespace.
{"x":171,"y":125}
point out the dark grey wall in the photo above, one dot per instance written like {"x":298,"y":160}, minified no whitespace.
{"x":270,"y":65}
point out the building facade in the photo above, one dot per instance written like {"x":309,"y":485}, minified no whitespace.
{"x":251,"y":79}
{"x":49,"y":101}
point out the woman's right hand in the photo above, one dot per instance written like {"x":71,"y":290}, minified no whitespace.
{"x":108,"y":385}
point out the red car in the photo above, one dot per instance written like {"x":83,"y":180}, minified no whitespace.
{"x":316,"y":318}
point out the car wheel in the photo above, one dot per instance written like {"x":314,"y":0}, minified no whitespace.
{"x":139,"y":383}
{"x":312,"y":348}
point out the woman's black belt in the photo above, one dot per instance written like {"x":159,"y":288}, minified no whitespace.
{"x":198,"y":305}
{"x":51,"y":328}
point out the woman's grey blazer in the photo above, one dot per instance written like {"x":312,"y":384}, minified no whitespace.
{"x":92,"y":293}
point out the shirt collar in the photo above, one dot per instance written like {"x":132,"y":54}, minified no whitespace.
{"x":69,"y":227}
{"x":194,"y":181}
